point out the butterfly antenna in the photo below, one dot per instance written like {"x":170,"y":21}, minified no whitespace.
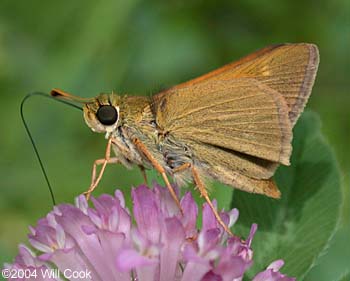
{"x":31,"y":137}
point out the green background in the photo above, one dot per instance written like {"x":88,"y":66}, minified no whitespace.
{"x":138,"y":47}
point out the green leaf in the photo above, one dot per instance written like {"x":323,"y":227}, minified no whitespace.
{"x":345,"y":277}
{"x":336,"y":261}
{"x":296,"y":228}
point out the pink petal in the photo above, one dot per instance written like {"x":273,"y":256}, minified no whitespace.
{"x":253,"y":229}
{"x":146,"y":213}
{"x":195,"y":271}
{"x":119,"y":195}
{"x":128,"y":259}
{"x":209,"y":220}
{"x":173,"y":237}
{"x":276,"y":265}
{"x":211,"y":276}
{"x":189,"y":218}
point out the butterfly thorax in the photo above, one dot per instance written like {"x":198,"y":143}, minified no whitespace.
{"x":138,"y":121}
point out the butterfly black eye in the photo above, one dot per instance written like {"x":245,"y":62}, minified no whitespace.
{"x":107,"y":115}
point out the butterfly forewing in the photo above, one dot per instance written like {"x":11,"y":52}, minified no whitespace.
{"x":240,"y":115}
{"x":290,"y":69}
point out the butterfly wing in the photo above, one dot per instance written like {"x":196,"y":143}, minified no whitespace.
{"x":240,"y":119}
{"x":290,"y":69}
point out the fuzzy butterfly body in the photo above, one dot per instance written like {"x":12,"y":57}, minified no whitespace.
{"x":233,"y":125}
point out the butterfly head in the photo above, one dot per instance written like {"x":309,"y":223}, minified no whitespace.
{"x":101,"y":113}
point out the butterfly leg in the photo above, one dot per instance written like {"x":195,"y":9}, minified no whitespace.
{"x":204,"y":194}
{"x":143,"y":172}
{"x":159,"y":168}
{"x":104,"y":161}
{"x":183,"y":167}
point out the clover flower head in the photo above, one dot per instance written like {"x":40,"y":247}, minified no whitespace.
{"x":163,"y":244}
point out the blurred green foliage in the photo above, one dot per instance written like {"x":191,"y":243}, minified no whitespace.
{"x":137,"y":47}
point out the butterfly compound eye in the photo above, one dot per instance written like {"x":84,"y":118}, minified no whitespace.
{"x":107,"y":115}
